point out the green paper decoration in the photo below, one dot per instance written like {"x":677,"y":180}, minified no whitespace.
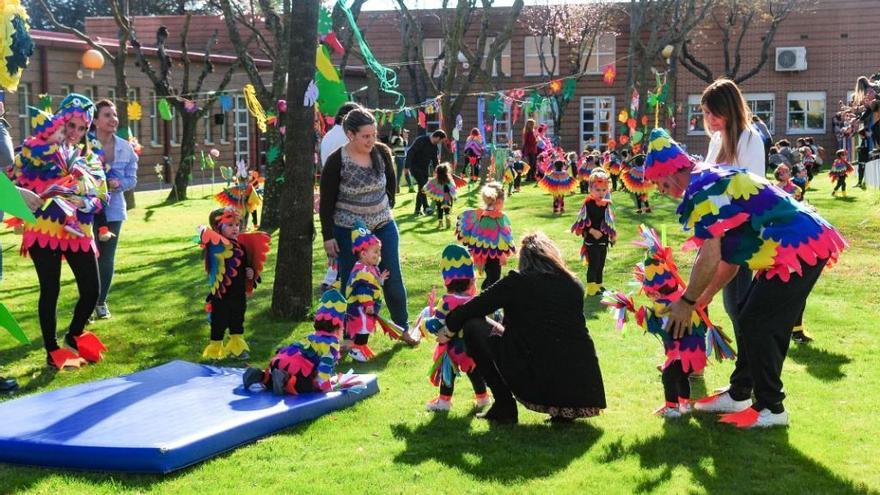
{"x":8,"y":322}
{"x":653,"y":99}
{"x":272,"y":154}
{"x":568,"y":89}
{"x":535,"y":100}
{"x":637,"y":137}
{"x":495,"y":107}
{"x":623,"y":129}
{"x":332,"y":94}
{"x":325,"y":21}
{"x":46,"y":103}
{"x":399,"y":119}
{"x":11,"y":202}
{"x":164,"y":109}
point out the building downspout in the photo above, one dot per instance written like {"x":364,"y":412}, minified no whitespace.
{"x":44,"y":71}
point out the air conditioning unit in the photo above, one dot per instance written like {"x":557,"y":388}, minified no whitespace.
{"x":791,"y":58}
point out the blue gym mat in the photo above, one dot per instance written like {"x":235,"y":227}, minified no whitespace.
{"x":154,"y":421}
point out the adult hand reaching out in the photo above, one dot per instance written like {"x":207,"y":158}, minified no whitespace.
{"x":331,"y":248}
{"x":31,"y":199}
{"x":679,"y":323}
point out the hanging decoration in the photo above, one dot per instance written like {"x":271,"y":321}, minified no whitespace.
{"x":516,"y":108}
{"x":254,"y":107}
{"x":568,"y":88}
{"x":423,"y":120}
{"x":631,"y":123}
{"x":386,"y":76}
{"x":190,"y":106}
{"x":634,"y":102}
{"x":495,"y":107}
{"x":226,"y":103}
{"x":399,"y":119}
{"x":45,"y":103}
{"x":17,"y":45}
{"x":311,"y":95}
{"x":165,"y":109}
{"x":612,"y":144}
{"x":644,"y":120}
{"x":272,"y":154}
{"x":331,"y":90}
{"x":609,"y":74}
{"x":555,"y":87}
{"x":135,"y":112}
{"x":637,"y":136}
{"x":333,"y":43}
{"x":623,"y":116}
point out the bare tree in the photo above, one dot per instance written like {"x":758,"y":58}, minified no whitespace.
{"x":177,"y":96}
{"x":292,"y":292}
{"x":733,"y":19}
{"x":453,"y":79}
{"x":576,"y":28}
{"x":651,"y":31}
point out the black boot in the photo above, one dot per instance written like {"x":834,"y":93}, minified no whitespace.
{"x":501,"y":413}
{"x":252,"y":376}
{"x":8,"y":384}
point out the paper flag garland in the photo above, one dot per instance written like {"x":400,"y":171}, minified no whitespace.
{"x":555,"y":86}
{"x":46,"y":103}
{"x":399,"y":119}
{"x":135,"y":112}
{"x":272,"y":154}
{"x":609,"y":74}
{"x":11,"y":202}
{"x":423,"y":120}
{"x":568,"y":89}
{"x":164,"y":109}
{"x":634,"y":102}
{"x":637,"y":136}
{"x":623,"y":140}
{"x":190,"y":106}
{"x":623,"y":116}
{"x":226,"y":103}
{"x":311,"y":95}
{"x":495,"y":107}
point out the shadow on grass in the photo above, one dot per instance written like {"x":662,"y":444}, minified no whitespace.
{"x":819,"y":363}
{"x":722,"y":460}
{"x":505,"y":453}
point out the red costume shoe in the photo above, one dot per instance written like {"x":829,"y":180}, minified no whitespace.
{"x":65,"y":358}
{"x":89,"y":347}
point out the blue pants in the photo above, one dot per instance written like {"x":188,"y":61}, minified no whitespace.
{"x":106,"y":259}
{"x":400,"y":163}
{"x":393,"y":288}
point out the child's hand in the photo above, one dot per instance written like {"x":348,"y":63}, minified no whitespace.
{"x":249,"y":273}
{"x":595,"y":233}
{"x":384,"y":275}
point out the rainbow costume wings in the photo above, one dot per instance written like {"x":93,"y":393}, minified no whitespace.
{"x":487,"y":234}
{"x":222,"y":260}
{"x":762,"y":227}
{"x":256,"y":247}
{"x":435,"y":192}
{"x":558,"y":183}
{"x":582,"y":225}
{"x":633,"y":178}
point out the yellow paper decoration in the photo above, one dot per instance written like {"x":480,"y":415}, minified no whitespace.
{"x":16,"y":45}
{"x":134,"y":111}
{"x":254,"y":107}
{"x":325,"y":66}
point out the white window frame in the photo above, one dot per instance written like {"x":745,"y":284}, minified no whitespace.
{"x":506,"y":134}
{"x":90,"y":92}
{"x":432,"y":122}
{"x":111,"y":95}
{"x":806,"y":96}
{"x":600,"y":58}
{"x":209,"y":136}
{"x":531,"y":50}
{"x":609,"y":121}
{"x":693,"y":109}
{"x":24,"y":120}
{"x":241,"y":120}
{"x":174,"y":127}
{"x":755,"y":97}
{"x":66,"y":89}
{"x":430,"y":43}
{"x":154,"y":120}
{"x":224,"y":130}
{"x":505,"y":59}
{"x":134,"y":125}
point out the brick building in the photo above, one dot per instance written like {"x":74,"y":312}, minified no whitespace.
{"x":835,"y":37}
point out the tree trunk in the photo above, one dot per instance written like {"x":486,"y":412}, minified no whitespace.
{"x":270,"y":216}
{"x":292,"y":292}
{"x":187,"y":156}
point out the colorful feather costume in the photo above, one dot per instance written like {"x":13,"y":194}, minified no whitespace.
{"x":558,"y":183}
{"x":763,"y":228}
{"x":243,"y":197}
{"x":582,"y":225}
{"x":487,"y":234}
{"x":633,"y":178}
{"x":611,"y":163}
{"x":58,"y":173}
{"x":586,"y":164}
{"x":16,"y":44}
{"x":474,"y":149}
{"x":664,"y":156}
{"x":840,"y":168}
{"x":444,"y":194}
{"x":310,"y":363}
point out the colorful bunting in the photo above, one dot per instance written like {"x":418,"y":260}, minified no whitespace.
{"x":165,"y":109}
{"x":226,"y":103}
{"x":311,"y":95}
{"x":568,"y":89}
{"x":623,"y":116}
{"x":609,"y":74}
{"x":135,"y":112}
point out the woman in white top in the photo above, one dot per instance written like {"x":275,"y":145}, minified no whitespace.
{"x":735,"y":142}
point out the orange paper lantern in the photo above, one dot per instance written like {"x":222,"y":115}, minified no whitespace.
{"x":93,"y":60}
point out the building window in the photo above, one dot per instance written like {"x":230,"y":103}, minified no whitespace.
{"x":492,"y":66}
{"x":24,"y":120}
{"x":224,"y":135}
{"x":111,"y":95}
{"x":134,"y":125}
{"x":90,"y":92}
{"x":66,"y":89}
{"x":431,"y":49}
{"x":534,"y":47}
{"x":241,"y":130}
{"x":806,"y":113}
{"x":597,"y":120}
{"x":695,"y":116}
{"x":154,"y":119}
{"x":602,"y":55}
{"x":432,"y":122}
{"x":762,"y":105}
{"x":207,"y":119}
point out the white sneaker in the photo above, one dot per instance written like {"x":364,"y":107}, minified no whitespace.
{"x":357,"y":355}
{"x":438,"y":405}
{"x":685,"y":407}
{"x":721,"y":403}
{"x":483,"y":400}
{"x":668,"y":412}
{"x":767,"y":419}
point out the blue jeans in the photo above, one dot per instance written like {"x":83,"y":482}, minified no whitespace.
{"x":106,"y":259}
{"x":393,"y":288}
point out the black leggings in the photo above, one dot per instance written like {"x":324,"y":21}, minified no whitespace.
{"x":641,"y":200}
{"x":533,"y":166}
{"x":841,"y":184}
{"x":442,"y":208}
{"x":481,"y":348}
{"x":613,"y":182}
{"x":476,"y":380}
{"x":675,"y":382}
{"x":861,"y":171}
{"x":228,"y":313}
{"x":84,"y":266}
{"x":596,"y":254}
{"x":493,"y":273}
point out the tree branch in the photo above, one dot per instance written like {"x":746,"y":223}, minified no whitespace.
{"x":246,"y":60}
{"x":694,"y":66}
{"x":76,"y":32}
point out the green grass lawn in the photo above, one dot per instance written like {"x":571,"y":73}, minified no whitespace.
{"x":390,"y":444}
